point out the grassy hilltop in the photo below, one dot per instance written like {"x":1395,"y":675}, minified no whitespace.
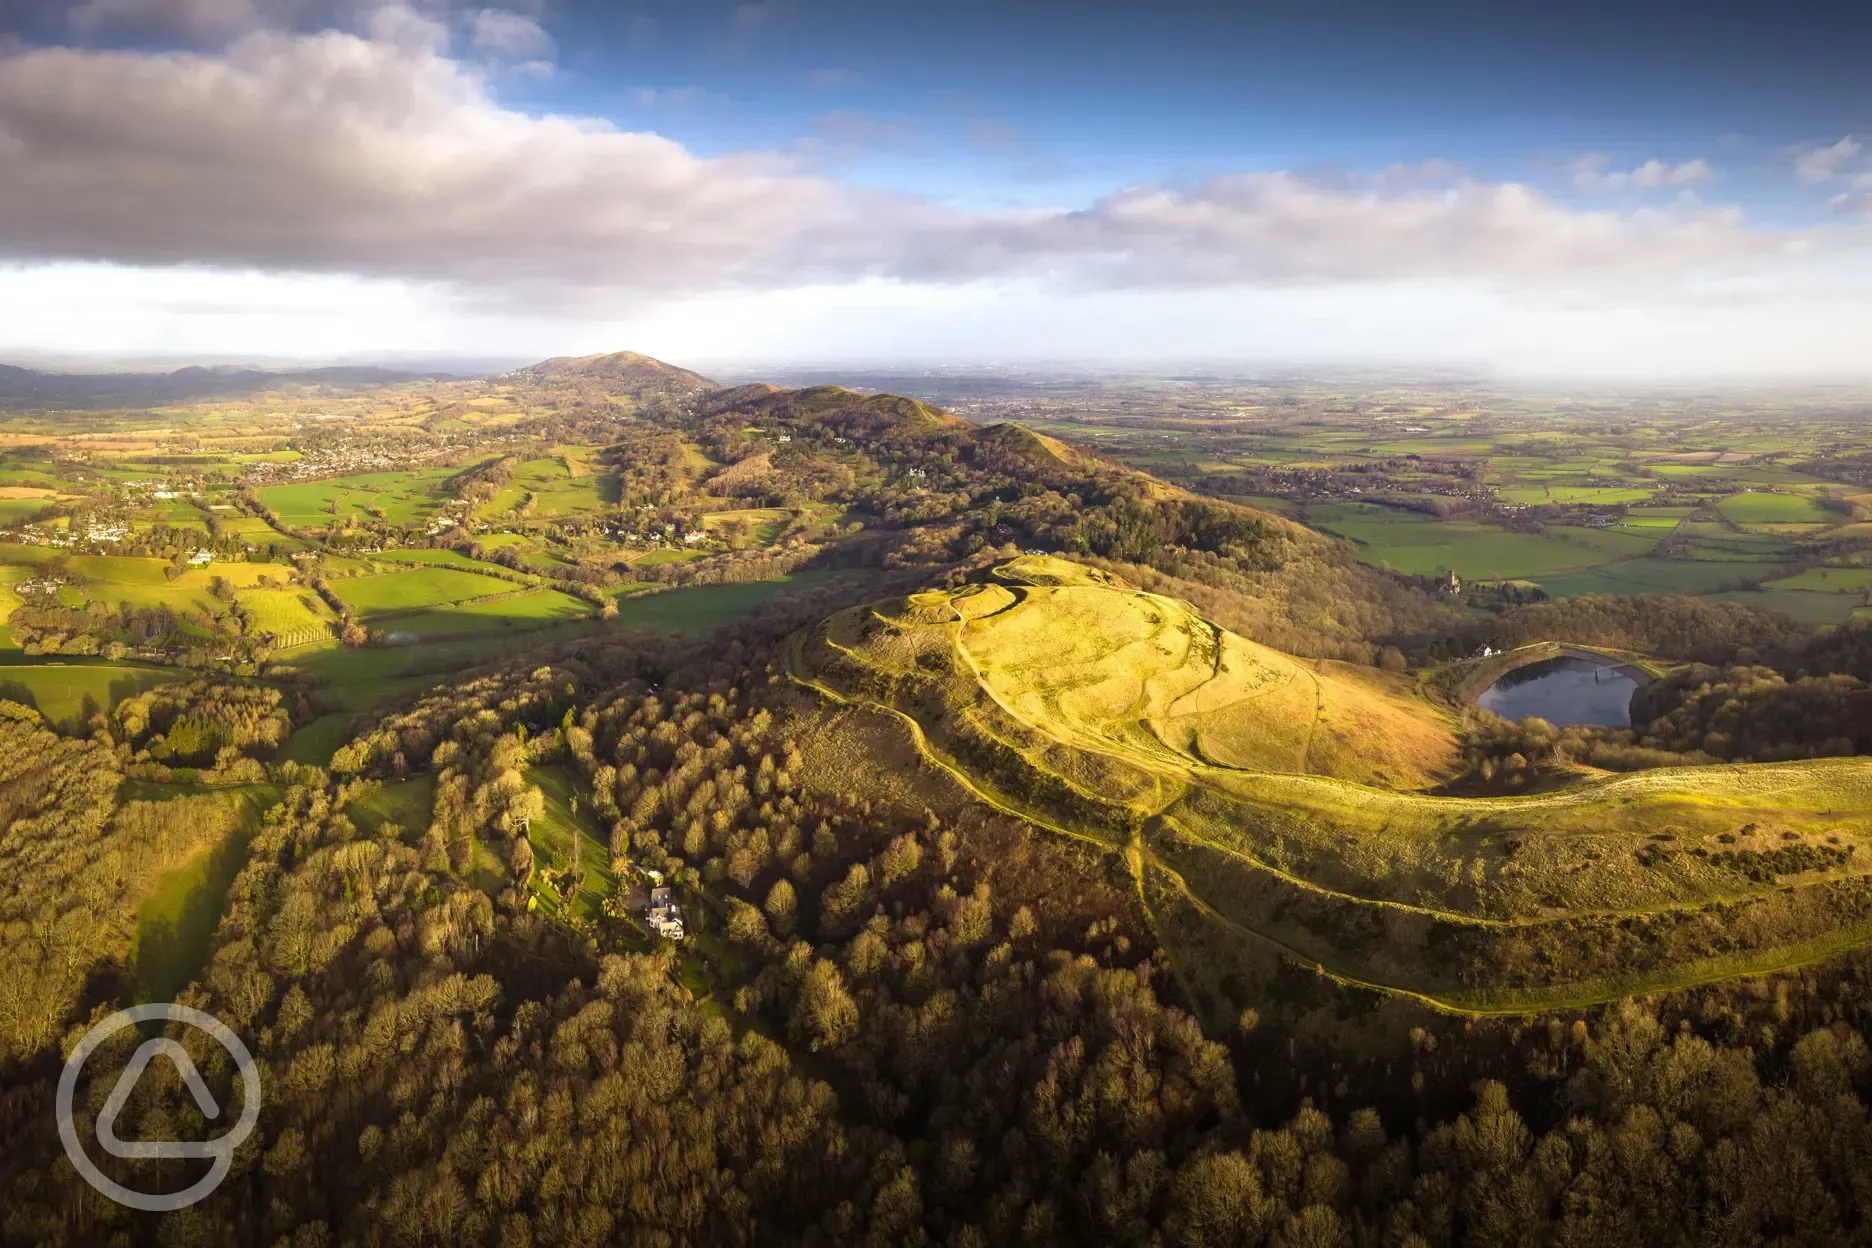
{"x":1257,"y":797}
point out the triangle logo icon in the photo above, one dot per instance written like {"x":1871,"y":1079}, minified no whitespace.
{"x":126,"y":1083}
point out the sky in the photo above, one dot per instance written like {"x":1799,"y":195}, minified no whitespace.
{"x":1592,"y":189}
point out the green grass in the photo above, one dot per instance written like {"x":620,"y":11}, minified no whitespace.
{"x":295,"y":615}
{"x":437,"y":558}
{"x":419,"y":587}
{"x":405,"y":498}
{"x":1773,"y":509}
{"x":1828,"y":581}
{"x":66,"y":692}
{"x":317,"y":741}
{"x":698,"y":609}
{"x":763,"y":524}
{"x":564,"y":832}
{"x":532,"y":610}
{"x":1575,"y":495}
{"x":1656,"y":576}
{"x":1805,"y":605}
{"x":175,"y":925}
{"x":359,"y":680}
{"x":1414,"y":544}
{"x":407,"y":803}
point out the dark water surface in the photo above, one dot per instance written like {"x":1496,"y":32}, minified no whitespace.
{"x":1564,"y":691}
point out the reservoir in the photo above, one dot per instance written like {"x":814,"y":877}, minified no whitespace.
{"x":1566,"y":690}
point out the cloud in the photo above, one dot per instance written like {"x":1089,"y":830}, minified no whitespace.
{"x":1272,"y":228}
{"x":1823,"y":164}
{"x":379,"y":156}
{"x":511,"y":35}
{"x":1591,"y":174}
{"x":198,"y":20}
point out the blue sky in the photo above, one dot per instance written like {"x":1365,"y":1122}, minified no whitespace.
{"x":1591,"y":188}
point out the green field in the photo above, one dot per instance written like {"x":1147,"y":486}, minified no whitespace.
{"x":406,"y":803}
{"x":1590,"y":496}
{"x":360,"y":680}
{"x":1418,"y":545}
{"x":1656,"y":576}
{"x":404,"y":498}
{"x":66,"y":692}
{"x":1828,"y":581}
{"x":296,"y":615}
{"x":1808,"y":606}
{"x":560,"y":485}
{"x":762,"y":524}
{"x":175,"y":925}
{"x":420,"y":587}
{"x":438,"y":558}
{"x":564,"y":835}
{"x":317,"y":741}
{"x":1772,"y":509}
{"x":698,"y":609}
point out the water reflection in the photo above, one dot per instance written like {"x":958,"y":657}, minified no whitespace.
{"x":1566,"y":690}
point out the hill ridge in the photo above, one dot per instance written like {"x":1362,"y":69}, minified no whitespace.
{"x":1066,"y":696}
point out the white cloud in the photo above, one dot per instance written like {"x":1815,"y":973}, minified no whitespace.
{"x":1279,"y":228}
{"x":1823,"y":164}
{"x":1590,"y":173}
{"x":509,"y":34}
{"x":378,"y":155}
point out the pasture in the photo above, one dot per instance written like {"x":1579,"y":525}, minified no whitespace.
{"x":425,"y":586}
{"x":697,"y":609}
{"x":67,"y":692}
{"x":407,"y":499}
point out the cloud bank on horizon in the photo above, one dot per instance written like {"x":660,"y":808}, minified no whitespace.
{"x":150,"y":149}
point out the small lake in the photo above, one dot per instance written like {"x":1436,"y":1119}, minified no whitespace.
{"x":1566,"y":690}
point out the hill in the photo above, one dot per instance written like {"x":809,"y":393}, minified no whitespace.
{"x":618,"y":372}
{"x":1257,"y":798}
{"x":842,"y":411}
{"x":29,"y":388}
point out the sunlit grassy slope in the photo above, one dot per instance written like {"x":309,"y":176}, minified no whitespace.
{"x":1287,"y":800}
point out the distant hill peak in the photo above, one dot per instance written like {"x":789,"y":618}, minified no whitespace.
{"x":624,"y":372}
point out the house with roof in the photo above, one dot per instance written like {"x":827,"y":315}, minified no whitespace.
{"x":663,"y":915}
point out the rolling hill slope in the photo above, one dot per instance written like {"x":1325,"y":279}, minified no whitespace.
{"x":1257,"y":797}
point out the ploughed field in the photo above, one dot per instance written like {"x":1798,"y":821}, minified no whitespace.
{"x":1262,"y":802}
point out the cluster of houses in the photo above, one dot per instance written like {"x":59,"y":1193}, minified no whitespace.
{"x":97,"y":531}
{"x":344,"y":457}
